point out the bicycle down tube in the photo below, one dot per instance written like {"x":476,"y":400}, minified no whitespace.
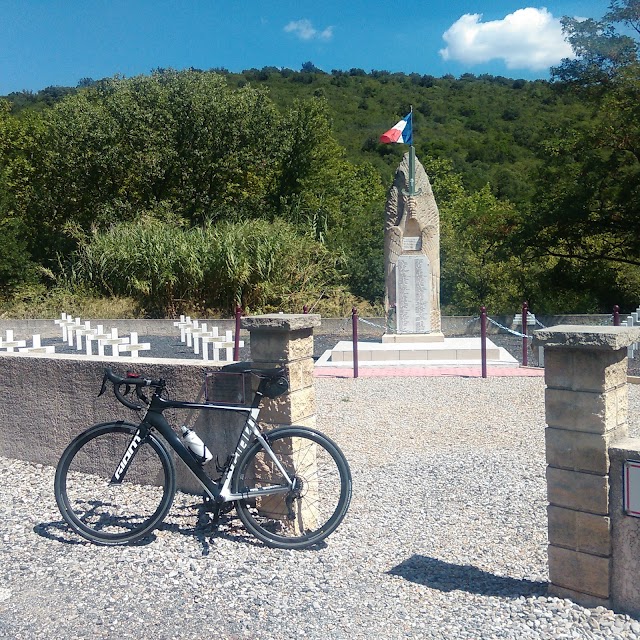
{"x":218,"y":491}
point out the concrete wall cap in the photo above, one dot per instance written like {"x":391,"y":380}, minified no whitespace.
{"x":281,"y":321}
{"x":625,"y":447}
{"x":586,"y":337}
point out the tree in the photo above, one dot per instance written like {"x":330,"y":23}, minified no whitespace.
{"x":589,"y":184}
{"x":16,"y":136}
{"x":584,"y":213}
{"x":589,"y":187}
{"x":601,"y":51}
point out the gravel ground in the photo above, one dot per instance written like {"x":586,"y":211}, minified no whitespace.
{"x":445,"y":538}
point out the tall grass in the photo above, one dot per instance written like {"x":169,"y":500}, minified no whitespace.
{"x":263,"y":266}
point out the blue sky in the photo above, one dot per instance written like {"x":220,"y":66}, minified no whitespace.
{"x":55,"y":42}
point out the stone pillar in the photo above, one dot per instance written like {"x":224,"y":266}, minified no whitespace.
{"x":586,"y":411}
{"x":286,"y":339}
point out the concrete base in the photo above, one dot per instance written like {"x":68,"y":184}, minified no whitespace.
{"x":436,"y":336}
{"x":448,"y":352}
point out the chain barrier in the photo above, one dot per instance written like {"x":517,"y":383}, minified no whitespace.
{"x":515,"y":333}
{"x":372,"y":324}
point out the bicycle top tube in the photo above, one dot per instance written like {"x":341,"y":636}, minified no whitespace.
{"x":273,"y":382}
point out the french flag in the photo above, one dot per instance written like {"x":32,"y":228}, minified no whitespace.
{"x":400,"y":132}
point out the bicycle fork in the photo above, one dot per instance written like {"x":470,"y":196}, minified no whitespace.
{"x":127,"y":458}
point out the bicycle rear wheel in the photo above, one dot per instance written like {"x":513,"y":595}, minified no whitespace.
{"x":320,"y":497}
{"x":102,"y":508}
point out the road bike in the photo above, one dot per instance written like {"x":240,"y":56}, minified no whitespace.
{"x":115,"y":482}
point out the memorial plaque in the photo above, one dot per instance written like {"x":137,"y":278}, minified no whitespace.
{"x":412,"y":294}
{"x":631,"y":488}
{"x":411,"y":243}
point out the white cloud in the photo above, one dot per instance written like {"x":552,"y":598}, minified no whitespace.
{"x":305,"y":30}
{"x":525,"y":39}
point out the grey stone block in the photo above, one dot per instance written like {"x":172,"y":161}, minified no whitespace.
{"x":580,"y":491}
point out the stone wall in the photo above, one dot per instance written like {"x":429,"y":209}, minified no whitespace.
{"x":586,"y":401}
{"x":46,"y":400}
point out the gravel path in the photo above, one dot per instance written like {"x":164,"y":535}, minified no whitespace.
{"x":445,"y":538}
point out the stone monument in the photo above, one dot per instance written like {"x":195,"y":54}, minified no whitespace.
{"x":412,"y":256}
{"x":412,"y":288}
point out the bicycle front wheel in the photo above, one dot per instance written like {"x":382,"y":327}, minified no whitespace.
{"x":113,"y":487}
{"x":313,"y":507}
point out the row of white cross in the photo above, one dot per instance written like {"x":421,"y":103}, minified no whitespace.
{"x":633,"y":320}
{"x":74,"y":330}
{"x":10,"y":344}
{"x":194,"y":334}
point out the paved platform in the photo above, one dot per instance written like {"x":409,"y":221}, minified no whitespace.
{"x":447,"y":357}
{"x":474,"y":371}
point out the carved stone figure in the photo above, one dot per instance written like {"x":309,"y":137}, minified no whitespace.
{"x":412,"y":253}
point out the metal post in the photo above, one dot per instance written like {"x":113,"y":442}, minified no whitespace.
{"x":354,"y":326}
{"x":412,"y":169}
{"x":525,"y":354}
{"x":236,"y":343}
{"x":616,"y":315}
{"x":483,"y":339}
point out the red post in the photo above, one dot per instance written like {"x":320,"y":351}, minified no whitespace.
{"x":616,"y":315}
{"x":525,"y":353}
{"x":236,"y":344}
{"x":483,"y":339}
{"x":354,"y":326}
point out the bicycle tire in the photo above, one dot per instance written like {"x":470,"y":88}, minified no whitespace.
{"x":114,"y":513}
{"x":318,"y":506}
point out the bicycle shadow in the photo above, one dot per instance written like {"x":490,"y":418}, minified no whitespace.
{"x":203,"y":532}
{"x":228,"y":528}
{"x":59,"y":531}
{"x":447,"y":577}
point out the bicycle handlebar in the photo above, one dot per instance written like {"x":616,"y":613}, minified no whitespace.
{"x":132,"y":380}
{"x":273,"y":383}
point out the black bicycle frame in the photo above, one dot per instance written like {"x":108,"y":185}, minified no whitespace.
{"x":218,"y":491}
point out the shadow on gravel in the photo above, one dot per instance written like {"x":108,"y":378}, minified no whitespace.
{"x":445,"y":576}
{"x":60,"y":532}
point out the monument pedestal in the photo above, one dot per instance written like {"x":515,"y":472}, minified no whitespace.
{"x":435,"y":336}
{"x":446,"y":352}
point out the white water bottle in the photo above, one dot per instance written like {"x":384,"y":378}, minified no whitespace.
{"x":195,"y":445}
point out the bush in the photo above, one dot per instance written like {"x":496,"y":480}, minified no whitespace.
{"x":264,"y":266}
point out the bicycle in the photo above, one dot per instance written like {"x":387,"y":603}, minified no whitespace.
{"x":291,"y":487}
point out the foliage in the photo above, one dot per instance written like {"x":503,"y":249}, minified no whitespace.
{"x":601,"y":51}
{"x":262,"y":265}
{"x":41,"y":301}
{"x":584,"y":213}
{"x":198,"y":189}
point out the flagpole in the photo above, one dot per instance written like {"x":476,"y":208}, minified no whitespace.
{"x":412,"y":164}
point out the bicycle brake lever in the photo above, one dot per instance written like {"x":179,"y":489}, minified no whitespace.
{"x":141,"y":395}
{"x":104,"y":385}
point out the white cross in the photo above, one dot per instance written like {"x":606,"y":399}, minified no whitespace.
{"x":10,"y":344}
{"x":36,"y":346}
{"x":134,"y":347}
